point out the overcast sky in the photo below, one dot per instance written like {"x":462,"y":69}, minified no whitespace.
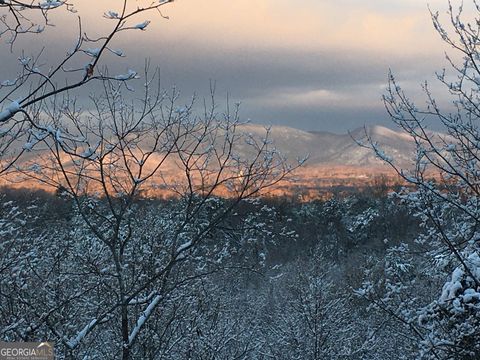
{"x":310,"y":64}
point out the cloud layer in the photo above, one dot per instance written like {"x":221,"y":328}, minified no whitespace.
{"x":318,"y":65}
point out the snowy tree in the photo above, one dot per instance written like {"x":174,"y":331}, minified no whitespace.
{"x":128,"y":261}
{"x":27,"y":17}
{"x":98,"y":284}
{"x":443,"y":316}
{"x":25,"y":94}
{"x":309,"y":315}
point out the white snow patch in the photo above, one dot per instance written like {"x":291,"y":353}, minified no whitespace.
{"x":143,"y":25}
{"x":10,"y":111}
{"x":142,"y":319}
{"x":131,"y":74}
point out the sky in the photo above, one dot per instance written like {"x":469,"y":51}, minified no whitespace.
{"x":310,"y":64}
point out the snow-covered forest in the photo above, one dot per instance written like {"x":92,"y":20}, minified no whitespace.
{"x":275,"y":279}
{"x":354,"y":277}
{"x":93,"y":260}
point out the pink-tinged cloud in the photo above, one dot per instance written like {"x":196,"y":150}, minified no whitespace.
{"x":324,"y":61}
{"x":399,"y":27}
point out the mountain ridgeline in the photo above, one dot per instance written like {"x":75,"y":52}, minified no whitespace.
{"x":334,"y":161}
{"x":330,"y":149}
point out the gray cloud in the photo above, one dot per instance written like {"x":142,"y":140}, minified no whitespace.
{"x":312,"y":88}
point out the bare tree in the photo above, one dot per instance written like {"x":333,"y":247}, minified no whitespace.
{"x":102,"y":281}
{"x":26,"y":17}
{"x":131,"y":261}
{"x":23,"y":96}
{"x":309,"y":315}
{"x":445,"y":175}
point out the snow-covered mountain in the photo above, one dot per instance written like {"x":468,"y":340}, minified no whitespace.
{"x":329,"y":149}
{"x":333,"y":159}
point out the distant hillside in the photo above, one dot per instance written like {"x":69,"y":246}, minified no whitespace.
{"x":329,"y":149}
{"x":334,"y":160}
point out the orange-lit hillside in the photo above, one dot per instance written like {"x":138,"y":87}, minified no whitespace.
{"x":334,"y":163}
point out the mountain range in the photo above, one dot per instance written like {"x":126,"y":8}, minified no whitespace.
{"x":337,"y":160}
{"x":330,"y":149}
{"x":333,"y":160}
